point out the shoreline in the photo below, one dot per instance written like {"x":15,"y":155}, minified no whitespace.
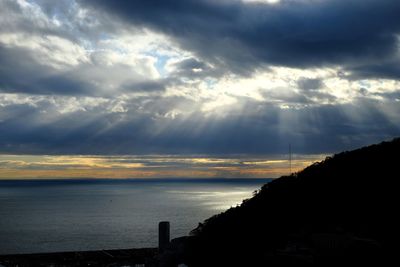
{"x":83,"y":258}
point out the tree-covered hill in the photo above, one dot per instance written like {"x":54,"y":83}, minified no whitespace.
{"x":339,"y":211}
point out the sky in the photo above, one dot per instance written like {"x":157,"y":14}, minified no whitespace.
{"x":193,"y":88}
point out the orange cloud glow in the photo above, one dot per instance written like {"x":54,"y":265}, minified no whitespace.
{"x":48,"y":167}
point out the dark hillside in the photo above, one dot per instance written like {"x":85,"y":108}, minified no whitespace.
{"x":339,"y":211}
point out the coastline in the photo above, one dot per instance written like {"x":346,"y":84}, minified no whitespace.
{"x":114,"y":257}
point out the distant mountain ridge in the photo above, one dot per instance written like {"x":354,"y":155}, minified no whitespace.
{"x":338,"y":211}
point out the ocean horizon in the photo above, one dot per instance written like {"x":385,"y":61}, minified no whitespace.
{"x":52,"y":215}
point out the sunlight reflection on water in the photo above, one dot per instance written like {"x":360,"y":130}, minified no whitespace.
{"x":215,"y":200}
{"x":91,"y":216}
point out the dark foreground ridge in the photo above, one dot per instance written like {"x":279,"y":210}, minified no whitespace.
{"x":340,"y":211}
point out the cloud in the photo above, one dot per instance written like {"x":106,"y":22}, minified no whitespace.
{"x":72,"y":166}
{"x":28,"y":71}
{"x":197,"y":77}
{"x":386,"y":70}
{"x":310,"y":84}
{"x":239,"y":35}
{"x":147,"y":126}
{"x":45,"y":49}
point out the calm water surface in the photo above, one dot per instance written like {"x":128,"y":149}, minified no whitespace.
{"x":87,"y":215}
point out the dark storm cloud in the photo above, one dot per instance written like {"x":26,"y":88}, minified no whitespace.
{"x":390,"y":95}
{"x":20,"y":72}
{"x":386,"y":70}
{"x":256,"y":129}
{"x":310,"y":84}
{"x":195,"y":69}
{"x":240,"y":36}
{"x":152,"y":86}
{"x":145,"y":86}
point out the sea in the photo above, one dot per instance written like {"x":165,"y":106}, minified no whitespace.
{"x":77,"y":215}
